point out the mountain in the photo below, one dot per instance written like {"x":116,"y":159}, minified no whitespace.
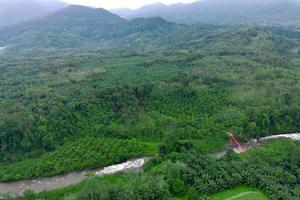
{"x":77,"y":26}
{"x":16,"y":11}
{"x":283,"y":12}
{"x":271,"y":12}
{"x":145,"y":11}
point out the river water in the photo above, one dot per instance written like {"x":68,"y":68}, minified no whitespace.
{"x":255,"y":142}
{"x":50,"y":183}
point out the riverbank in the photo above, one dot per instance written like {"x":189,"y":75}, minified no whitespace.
{"x":50,"y":183}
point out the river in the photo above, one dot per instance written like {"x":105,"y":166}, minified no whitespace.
{"x":50,"y":183}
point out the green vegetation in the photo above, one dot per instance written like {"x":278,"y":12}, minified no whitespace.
{"x":188,"y":174}
{"x":81,"y":154}
{"x":174,"y":97}
{"x":118,"y":179}
{"x":79,"y":27}
{"x":240,"y":193}
{"x":250,"y":196}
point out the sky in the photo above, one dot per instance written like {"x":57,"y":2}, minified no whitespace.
{"x":112,"y":4}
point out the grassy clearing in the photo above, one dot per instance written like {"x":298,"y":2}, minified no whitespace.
{"x":248,"y":196}
{"x":240,"y":193}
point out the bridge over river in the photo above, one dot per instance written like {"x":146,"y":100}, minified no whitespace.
{"x":50,"y":183}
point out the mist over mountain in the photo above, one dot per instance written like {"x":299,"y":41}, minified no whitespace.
{"x":78,"y":26}
{"x":262,"y":12}
{"x":53,"y":25}
{"x":15,"y":11}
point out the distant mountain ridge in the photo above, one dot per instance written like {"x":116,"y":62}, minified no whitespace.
{"x":78,"y":26}
{"x":261,"y":12}
{"x":16,"y":11}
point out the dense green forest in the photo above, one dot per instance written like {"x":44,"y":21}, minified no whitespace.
{"x":181,"y":93}
{"x":82,"y":154}
{"x":186,"y":174}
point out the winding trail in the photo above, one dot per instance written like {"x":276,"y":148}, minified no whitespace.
{"x":242,"y":194}
{"x":50,"y":183}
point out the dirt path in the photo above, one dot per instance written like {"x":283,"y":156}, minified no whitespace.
{"x":256,"y":142}
{"x":241,"y":195}
{"x":293,"y":136}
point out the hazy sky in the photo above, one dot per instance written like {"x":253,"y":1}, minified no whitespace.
{"x":109,"y":4}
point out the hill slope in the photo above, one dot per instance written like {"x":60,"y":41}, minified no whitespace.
{"x":223,"y":12}
{"x":78,"y":26}
{"x":16,"y":11}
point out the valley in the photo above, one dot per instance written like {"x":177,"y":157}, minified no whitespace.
{"x":87,"y":97}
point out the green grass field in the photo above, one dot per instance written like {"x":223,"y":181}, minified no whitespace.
{"x":240,"y":193}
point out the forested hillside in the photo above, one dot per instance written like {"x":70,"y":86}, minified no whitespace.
{"x":259,"y":12}
{"x":84,"y":88}
{"x":213,"y":80}
{"x":78,"y":27}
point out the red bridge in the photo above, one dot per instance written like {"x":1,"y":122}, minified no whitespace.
{"x":236,"y":143}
